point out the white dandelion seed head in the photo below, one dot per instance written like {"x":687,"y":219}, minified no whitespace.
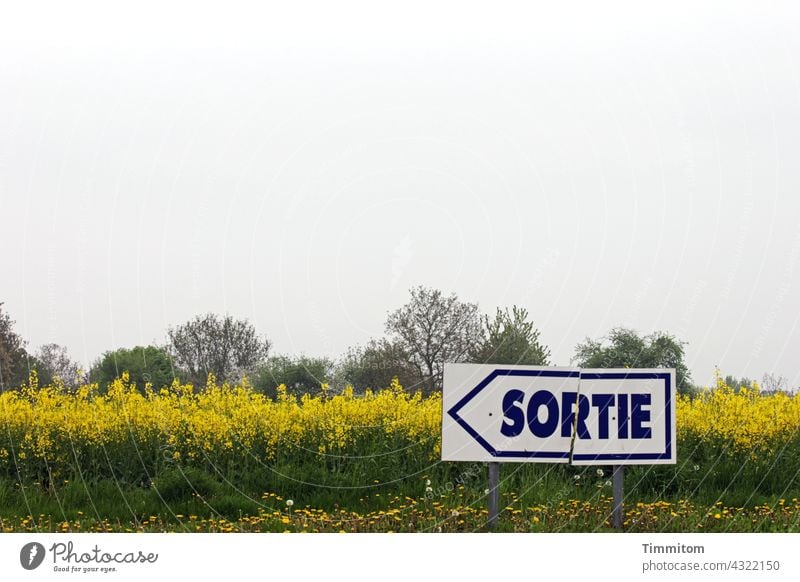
{"x":289,"y":503}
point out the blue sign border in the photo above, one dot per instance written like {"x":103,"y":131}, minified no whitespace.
{"x":666,"y":455}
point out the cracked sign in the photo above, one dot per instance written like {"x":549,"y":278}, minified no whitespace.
{"x":558,"y":415}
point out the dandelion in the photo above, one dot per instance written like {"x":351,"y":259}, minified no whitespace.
{"x":600,"y":473}
{"x":289,"y":503}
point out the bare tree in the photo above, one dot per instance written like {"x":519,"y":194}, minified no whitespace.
{"x":434,"y":329}
{"x":56,"y":363}
{"x":226,"y":347}
{"x":774,"y":383}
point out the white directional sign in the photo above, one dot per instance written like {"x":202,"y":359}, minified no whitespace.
{"x":558,"y":415}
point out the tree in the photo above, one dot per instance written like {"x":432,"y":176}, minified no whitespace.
{"x":53,"y":362}
{"x":224,"y":346}
{"x":300,"y":375}
{"x":144,"y":364}
{"x":14,"y":359}
{"x":434,"y":329}
{"x":375,"y":365}
{"x":510,"y":338}
{"x":737,"y":384}
{"x":625,"y":348}
{"x":772,"y":383}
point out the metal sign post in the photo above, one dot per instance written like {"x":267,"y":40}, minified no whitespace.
{"x":494,"y":494}
{"x":617,"y":514}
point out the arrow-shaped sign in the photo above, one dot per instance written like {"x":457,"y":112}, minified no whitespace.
{"x":558,"y":415}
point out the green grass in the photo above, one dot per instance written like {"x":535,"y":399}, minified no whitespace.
{"x":368,"y":490}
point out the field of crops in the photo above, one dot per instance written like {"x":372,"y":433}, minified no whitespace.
{"x":226,"y":458}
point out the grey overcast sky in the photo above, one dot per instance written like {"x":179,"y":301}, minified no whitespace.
{"x":303,"y":164}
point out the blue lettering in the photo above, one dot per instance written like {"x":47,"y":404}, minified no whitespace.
{"x":568,"y":400}
{"x":640,"y":416}
{"x":622,"y":416}
{"x":633,"y":414}
{"x":512,"y":411}
{"x":603,"y":403}
{"x":548,"y":427}
{"x":583,"y":414}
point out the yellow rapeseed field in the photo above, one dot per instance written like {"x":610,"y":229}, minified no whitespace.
{"x":48,"y":434}
{"x":745,"y":420}
{"x":739,"y":446}
{"x":53,"y":432}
